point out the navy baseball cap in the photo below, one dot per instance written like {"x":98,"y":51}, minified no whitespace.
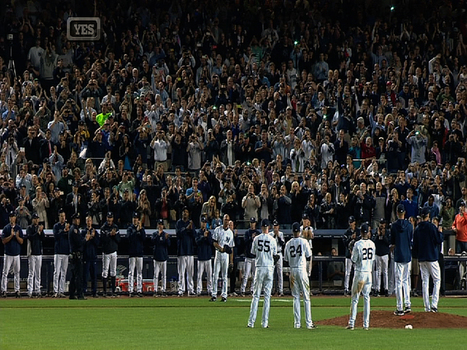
{"x":110,"y":214}
{"x":425,"y":211}
{"x":351,"y":219}
{"x":305,"y":216}
{"x":135,"y":214}
{"x":275,"y":223}
{"x":252,"y":219}
{"x":35,"y":216}
{"x":400,"y":208}
{"x":295,"y":227}
{"x":365,"y":228}
{"x":265,"y":223}
{"x":12,"y":213}
{"x":382,"y":221}
{"x":462,"y":204}
{"x":160,"y":222}
{"x":204,"y":219}
{"x":76,"y":216}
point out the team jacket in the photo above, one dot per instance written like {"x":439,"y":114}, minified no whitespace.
{"x":135,"y":241}
{"x":185,"y":238}
{"x":347,"y":239}
{"x":426,"y":242}
{"x":90,"y":247}
{"x":249,"y":241}
{"x":382,"y":245}
{"x":161,"y":245}
{"x":35,"y":239}
{"x":13,"y":247}
{"x":62,"y":245}
{"x":75,"y":239}
{"x":109,"y":243}
{"x":402,"y":238}
{"x":204,"y":245}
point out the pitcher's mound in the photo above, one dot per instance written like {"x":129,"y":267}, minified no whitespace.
{"x":387,"y":319}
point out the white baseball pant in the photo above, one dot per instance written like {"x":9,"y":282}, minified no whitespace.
{"x":391,"y":275}
{"x":11,"y":262}
{"x":60,"y":268}
{"x":204,"y":266}
{"x":138,"y":263}
{"x":160,"y":267}
{"x":349,"y":265}
{"x":185,"y":265}
{"x":279,"y":274}
{"x":300,"y":284}
{"x":34,"y":275}
{"x":221,"y":265}
{"x":366,"y":278}
{"x":402,"y":284}
{"x":248,"y":269}
{"x":109,"y":265}
{"x":263,"y":278}
{"x":381,"y":268}
{"x":427,"y":269}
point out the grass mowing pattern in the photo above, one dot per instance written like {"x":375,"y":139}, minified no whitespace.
{"x":195,"y":323}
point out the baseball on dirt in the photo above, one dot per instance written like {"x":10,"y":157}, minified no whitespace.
{"x":409,"y":326}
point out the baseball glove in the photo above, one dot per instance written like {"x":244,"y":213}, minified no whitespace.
{"x":227,"y":249}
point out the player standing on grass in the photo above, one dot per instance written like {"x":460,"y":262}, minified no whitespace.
{"x":110,"y":237}
{"x":265,"y":249}
{"x":249,"y":265}
{"x":136,"y":235}
{"x":280,"y":242}
{"x":62,"y":252}
{"x":297,"y":252}
{"x":363,"y":256}
{"x":223,"y":241}
{"x":12,"y":238}
{"x":350,"y":237}
{"x":161,"y":241}
{"x":426,"y":243}
{"x":401,"y":244}
{"x":35,"y":236}
{"x":204,"y":243}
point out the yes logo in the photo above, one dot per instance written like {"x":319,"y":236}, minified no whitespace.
{"x":83,"y":28}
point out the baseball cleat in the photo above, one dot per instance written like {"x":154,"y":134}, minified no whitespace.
{"x":224,"y":300}
{"x":434,"y":309}
{"x":349,"y":327}
{"x":139,"y":294}
{"x":249,"y":326}
{"x":407,"y":309}
{"x":55,"y":295}
{"x":399,"y":313}
{"x":297,"y":326}
{"x":365,"y":328}
{"x":311,"y":327}
{"x":213,"y":299}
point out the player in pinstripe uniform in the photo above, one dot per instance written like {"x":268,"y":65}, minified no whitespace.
{"x":350,"y":237}
{"x":265,"y":249}
{"x":401,"y":244}
{"x":297,"y":252}
{"x":426,"y":243}
{"x":12,"y":238}
{"x":249,"y":265}
{"x":223,"y":241}
{"x":204,"y":243}
{"x":279,"y":237}
{"x":161,"y":243}
{"x":35,"y":236}
{"x":363,"y":256}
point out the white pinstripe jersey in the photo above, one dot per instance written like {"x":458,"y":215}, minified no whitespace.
{"x":264,"y":247}
{"x":363,"y":255}
{"x":297,"y":250}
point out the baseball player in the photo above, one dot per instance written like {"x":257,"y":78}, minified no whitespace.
{"x":223,"y":241}
{"x":62,"y":251}
{"x":249,"y":264}
{"x":136,"y":235}
{"x":363,"y":256}
{"x":350,"y":237}
{"x":35,"y":236}
{"x":110,"y":237}
{"x":426,"y":242}
{"x":280,"y":242}
{"x":161,"y":242}
{"x":401,"y":244}
{"x":12,"y":238}
{"x":381,"y":240}
{"x":307,"y":232}
{"x":265,"y":250}
{"x":185,"y":250}
{"x":91,"y":237}
{"x":204,"y":243}
{"x":76,"y":249}
{"x":297,"y":252}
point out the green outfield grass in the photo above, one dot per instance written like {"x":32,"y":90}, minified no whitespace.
{"x":195,"y":323}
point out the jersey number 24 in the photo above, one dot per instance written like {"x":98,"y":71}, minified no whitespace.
{"x":294,"y":251}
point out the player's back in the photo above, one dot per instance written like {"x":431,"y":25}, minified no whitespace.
{"x":264,"y":247}
{"x":363,"y":255}
{"x":297,"y":250}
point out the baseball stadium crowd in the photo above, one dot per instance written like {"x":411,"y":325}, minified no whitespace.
{"x":335,"y":110}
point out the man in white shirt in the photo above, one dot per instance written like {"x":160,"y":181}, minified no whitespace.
{"x":160,"y":145}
